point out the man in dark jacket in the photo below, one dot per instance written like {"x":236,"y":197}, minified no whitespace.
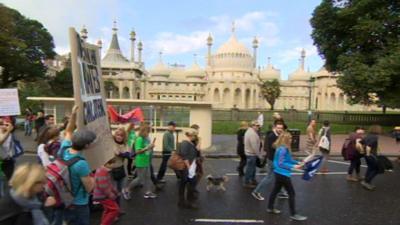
{"x":269,"y":148}
{"x":168,"y":147}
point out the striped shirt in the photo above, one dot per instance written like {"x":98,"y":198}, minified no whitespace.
{"x":104,"y":188}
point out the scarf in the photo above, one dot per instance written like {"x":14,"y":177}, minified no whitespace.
{"x":33,"y":205}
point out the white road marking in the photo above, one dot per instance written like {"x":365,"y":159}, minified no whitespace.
{"x":295,"y":174}
{"x":344,"y":163}
{"x":227,"y":221}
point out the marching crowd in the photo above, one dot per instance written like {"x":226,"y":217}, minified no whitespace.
{"x":274,"y":153}
{"x":61,"y":187}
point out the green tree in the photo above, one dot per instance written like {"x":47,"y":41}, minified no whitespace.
{"x":24,"y":45}
{"x":62,"y":84}
{"x":39,"y":88}
{"x":360,"y":40}
{"x":271,"y":90}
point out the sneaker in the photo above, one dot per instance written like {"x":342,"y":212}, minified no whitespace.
{"x":274,"y":211}
{"x":283,"y":195}
{"x":126,"y":194}
{"x":368,"y":186}
{"x":298,"y":217}
{"x":257,"y":196}
{"x":351,"y":178}
{"x":150,"y":195}
{"x":162,"y":181}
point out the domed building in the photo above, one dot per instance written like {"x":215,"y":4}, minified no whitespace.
{"x":230,"y":79}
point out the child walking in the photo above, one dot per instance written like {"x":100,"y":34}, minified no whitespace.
{"x":106,"y":193}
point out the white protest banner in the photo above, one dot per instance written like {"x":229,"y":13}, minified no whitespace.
{"x":89,"y":96}
{"x":9,"y":102}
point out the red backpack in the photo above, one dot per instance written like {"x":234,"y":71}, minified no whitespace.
{"x":59,"y":180}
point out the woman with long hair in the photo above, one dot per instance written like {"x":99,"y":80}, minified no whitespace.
{"x":121,"y":152}
{"x":283,"y":168}
{"x":21,"y":206}
{"x":49,"y":144}
{"x":311,"y":142}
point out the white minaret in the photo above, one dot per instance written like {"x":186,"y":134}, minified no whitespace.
{"x":255,"y":46}
{"x":84,"y":33}
{"x":133,"y":39}
{"x":140,"y":48}
{"x":209,"y":44}
{"x":302,"y":59}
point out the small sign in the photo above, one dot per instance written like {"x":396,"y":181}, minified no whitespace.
{"x":9,"y":102}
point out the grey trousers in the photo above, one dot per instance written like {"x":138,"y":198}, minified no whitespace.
{"x":143,"y":178}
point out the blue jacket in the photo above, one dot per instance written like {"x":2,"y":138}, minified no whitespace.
{"x":283,"y":162}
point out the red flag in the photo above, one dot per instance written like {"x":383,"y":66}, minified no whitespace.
{"x":136,"y":115}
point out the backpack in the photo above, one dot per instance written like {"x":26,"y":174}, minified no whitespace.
{"x":324,"y":142}
{"x":349,"y":150}
{"x":59,"y":180}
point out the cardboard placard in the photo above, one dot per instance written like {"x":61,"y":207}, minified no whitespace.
{"x":89,"y":96}
{"x":9,"y":102}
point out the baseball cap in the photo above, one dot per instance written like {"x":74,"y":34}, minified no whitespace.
{"x":81,"y":138}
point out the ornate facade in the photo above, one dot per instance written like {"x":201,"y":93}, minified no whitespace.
{"x":230,"y":79}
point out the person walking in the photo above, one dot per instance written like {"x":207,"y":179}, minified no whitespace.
{"x":143,"y":149}
{"x":39,"y":122}
{"x":260,"y":119}
{"x":252,"y":145}
{"x":371,"y":156}
{"x":29,"y":117}
{"x":131,"y":130}
{"x":106,"y":193}
{"x":21,"y":205}
{"x":121,"y":152}
{"x":269,"y":147}
{"x":167,"y":148}
{"x":240,"y":146}
{"x":355,"y":154}
{"x":311,"y":142}
{"x":82,"y":183}
{"x":283,"y":167}
{"x":187,"y":181}
{"x":325,"y":143}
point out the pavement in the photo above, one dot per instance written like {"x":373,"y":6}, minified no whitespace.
{"x":224,"y":146}
{"x":326,"y":200}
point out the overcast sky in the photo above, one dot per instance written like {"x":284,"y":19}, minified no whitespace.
{"x":179,"y":28}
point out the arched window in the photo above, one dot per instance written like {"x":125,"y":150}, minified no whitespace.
{"x":216,"y":96}
{"x":226,"y":98}
{"x":332,"y":101}
{"x":125,"y":93}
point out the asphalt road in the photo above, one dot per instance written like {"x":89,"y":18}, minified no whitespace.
{"x":326,"y":200}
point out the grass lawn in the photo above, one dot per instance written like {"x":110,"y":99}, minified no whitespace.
{"x":230,"y":127}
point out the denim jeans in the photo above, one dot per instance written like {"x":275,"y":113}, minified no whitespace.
{"x":250,"y":174}
{"x":54,"y":215}
{"x":372,"y":169}
{"x":267,"y":179}
{"x":163,"y":166}
{"x":77,"y":215}
{"x":28,"y":128}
